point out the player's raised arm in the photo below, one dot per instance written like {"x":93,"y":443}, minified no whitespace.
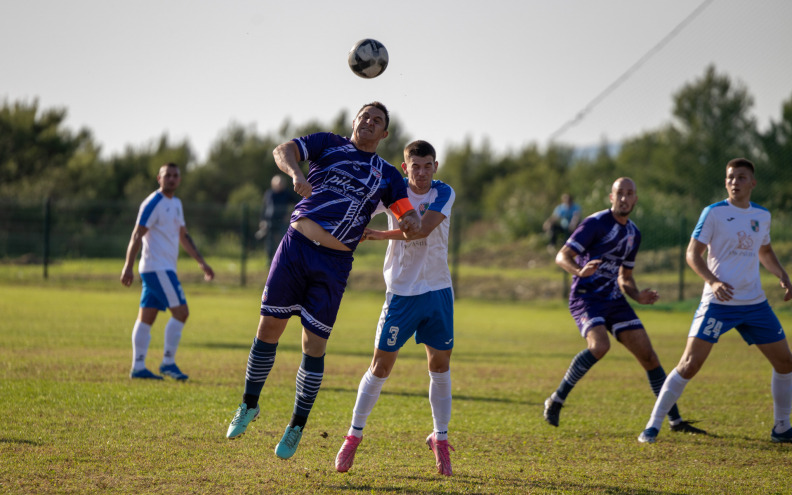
{"x":287,"y":158}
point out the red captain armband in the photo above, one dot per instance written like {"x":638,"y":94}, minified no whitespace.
{"x":400,"y":207}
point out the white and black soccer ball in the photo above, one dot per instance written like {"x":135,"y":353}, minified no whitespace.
{"x":368,"y":58}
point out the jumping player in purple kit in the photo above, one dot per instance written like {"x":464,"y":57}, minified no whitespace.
{"x":735,"y":233}
{"x":346,"y":180}
{"x":605,"y":245}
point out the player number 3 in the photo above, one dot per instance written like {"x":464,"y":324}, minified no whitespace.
{"x":394,"y":331}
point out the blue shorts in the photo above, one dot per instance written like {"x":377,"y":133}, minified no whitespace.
{"x":617,"y":315}
{"x":161,"y":290}
{"x":429,"y":317}
{"x":306,"y":280}
{"x":757,"y":323}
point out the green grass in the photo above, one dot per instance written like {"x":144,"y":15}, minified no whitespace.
{"x":72,"y":422}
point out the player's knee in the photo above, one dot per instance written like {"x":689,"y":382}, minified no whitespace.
{"x":599,"y":348}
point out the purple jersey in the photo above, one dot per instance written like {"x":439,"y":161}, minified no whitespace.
{"x":600,"y":236}
{"x":347,"y":185}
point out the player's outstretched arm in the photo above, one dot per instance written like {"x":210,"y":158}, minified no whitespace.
{"x":429,"y":222}
{"x":189,"y":245}
{"x":135,"y":241}
{"x":769,"y":260}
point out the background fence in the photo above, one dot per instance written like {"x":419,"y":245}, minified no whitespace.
{"x":482,"y":265}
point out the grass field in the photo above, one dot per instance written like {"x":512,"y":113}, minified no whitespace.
{"x":71,"y":421}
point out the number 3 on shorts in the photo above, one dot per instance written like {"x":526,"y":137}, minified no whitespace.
{"x":394,"y":332}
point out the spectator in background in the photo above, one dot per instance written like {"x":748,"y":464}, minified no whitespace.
{"x":276,"y":210}
{"x":563,"y":221}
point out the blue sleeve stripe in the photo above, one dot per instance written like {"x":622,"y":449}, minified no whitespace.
{"x":443,"y":195}
{"x":149,"y":208}
{"x":704,"y":213}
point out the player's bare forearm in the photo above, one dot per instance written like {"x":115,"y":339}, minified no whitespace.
{"x":135,"y":241}
{"x":382,"y":235}
{"x":770,"y":261}
{"x":566,"y":260}
{"x":189,"y":246}
{"x":287,"y":158}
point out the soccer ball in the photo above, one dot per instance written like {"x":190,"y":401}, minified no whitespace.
{"x":368,"y":58}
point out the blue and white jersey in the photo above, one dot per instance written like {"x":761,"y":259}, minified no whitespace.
{"x":601,"y":237}
{"x":164,"y":218}
{"x":733,"y":237}
{"x":421,"y":265}
{"x":347,"y":184}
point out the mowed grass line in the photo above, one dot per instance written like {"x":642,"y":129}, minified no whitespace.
{"x":72,"y":422}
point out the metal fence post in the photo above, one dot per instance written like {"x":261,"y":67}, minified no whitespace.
{"x":47,"y":225}
{"x":682,"y":262}
{"x":243,"y":260}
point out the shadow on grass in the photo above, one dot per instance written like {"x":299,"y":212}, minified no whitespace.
{"x":465,"y":484}
{"x":424,"y":395}
{"x":20,"y":441}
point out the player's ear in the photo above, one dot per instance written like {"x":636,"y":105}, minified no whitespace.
{"x":437,"y":164}
{"x":404,"y":167}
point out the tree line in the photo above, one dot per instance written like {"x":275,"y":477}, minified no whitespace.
{"x":679,"y":167}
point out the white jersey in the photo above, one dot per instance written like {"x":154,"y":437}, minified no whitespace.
{"x":164,"y":218}
{"x":733,"y":237}
{"x":420,"y":266}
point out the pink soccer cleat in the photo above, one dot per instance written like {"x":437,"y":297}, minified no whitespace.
{"x":346,"y":455}
{"x":442,"y":457}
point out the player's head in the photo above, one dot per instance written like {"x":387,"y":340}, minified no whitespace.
{"x":740,"y":180}
{"x":566,"y":198}
{"x":623,"y":197}
{"x":277,"y":183}
{"x":169,"y":178}
{"x":420,"y":165}
{"x":370,"y":126}
{"x":381,"y":107}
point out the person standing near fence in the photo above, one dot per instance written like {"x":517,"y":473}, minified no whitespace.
{"x":419,"y":302}
{"x":159,"y":229}
{"x":276,"y":209}
{"x":600,"y":255}
{"x":735,"y":233}
{"x":346,"y":180}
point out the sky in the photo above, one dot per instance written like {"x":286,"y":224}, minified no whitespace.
{"x":511,"y":73}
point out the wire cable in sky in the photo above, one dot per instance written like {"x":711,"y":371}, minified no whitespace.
{"x":629,"y":72}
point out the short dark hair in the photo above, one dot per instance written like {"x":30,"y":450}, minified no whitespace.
{"x":380,"y":106}
{"x":420,"y":148}
{"x":741,"y":162}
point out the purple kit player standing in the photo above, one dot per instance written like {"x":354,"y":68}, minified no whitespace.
{"x":605,"y":246}
{"x":346,"y":180}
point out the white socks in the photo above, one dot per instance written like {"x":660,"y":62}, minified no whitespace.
{"x":672,"y":389}
{"x":781,"y":386}
{"x":141,"y":336}
{"x":440,"y":400}
{"x":368,"y":393}
{"x":173,"y":333}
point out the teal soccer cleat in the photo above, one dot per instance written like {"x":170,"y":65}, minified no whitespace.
{"x":289,"y":443}
{"x":242,"y":418}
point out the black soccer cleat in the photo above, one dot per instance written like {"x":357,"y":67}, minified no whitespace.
{"x":552,"y":412}
{"x":687,"y":427}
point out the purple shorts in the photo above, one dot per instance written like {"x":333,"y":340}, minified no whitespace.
{"x":306,"y":280}
{"x":616,"y":315}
